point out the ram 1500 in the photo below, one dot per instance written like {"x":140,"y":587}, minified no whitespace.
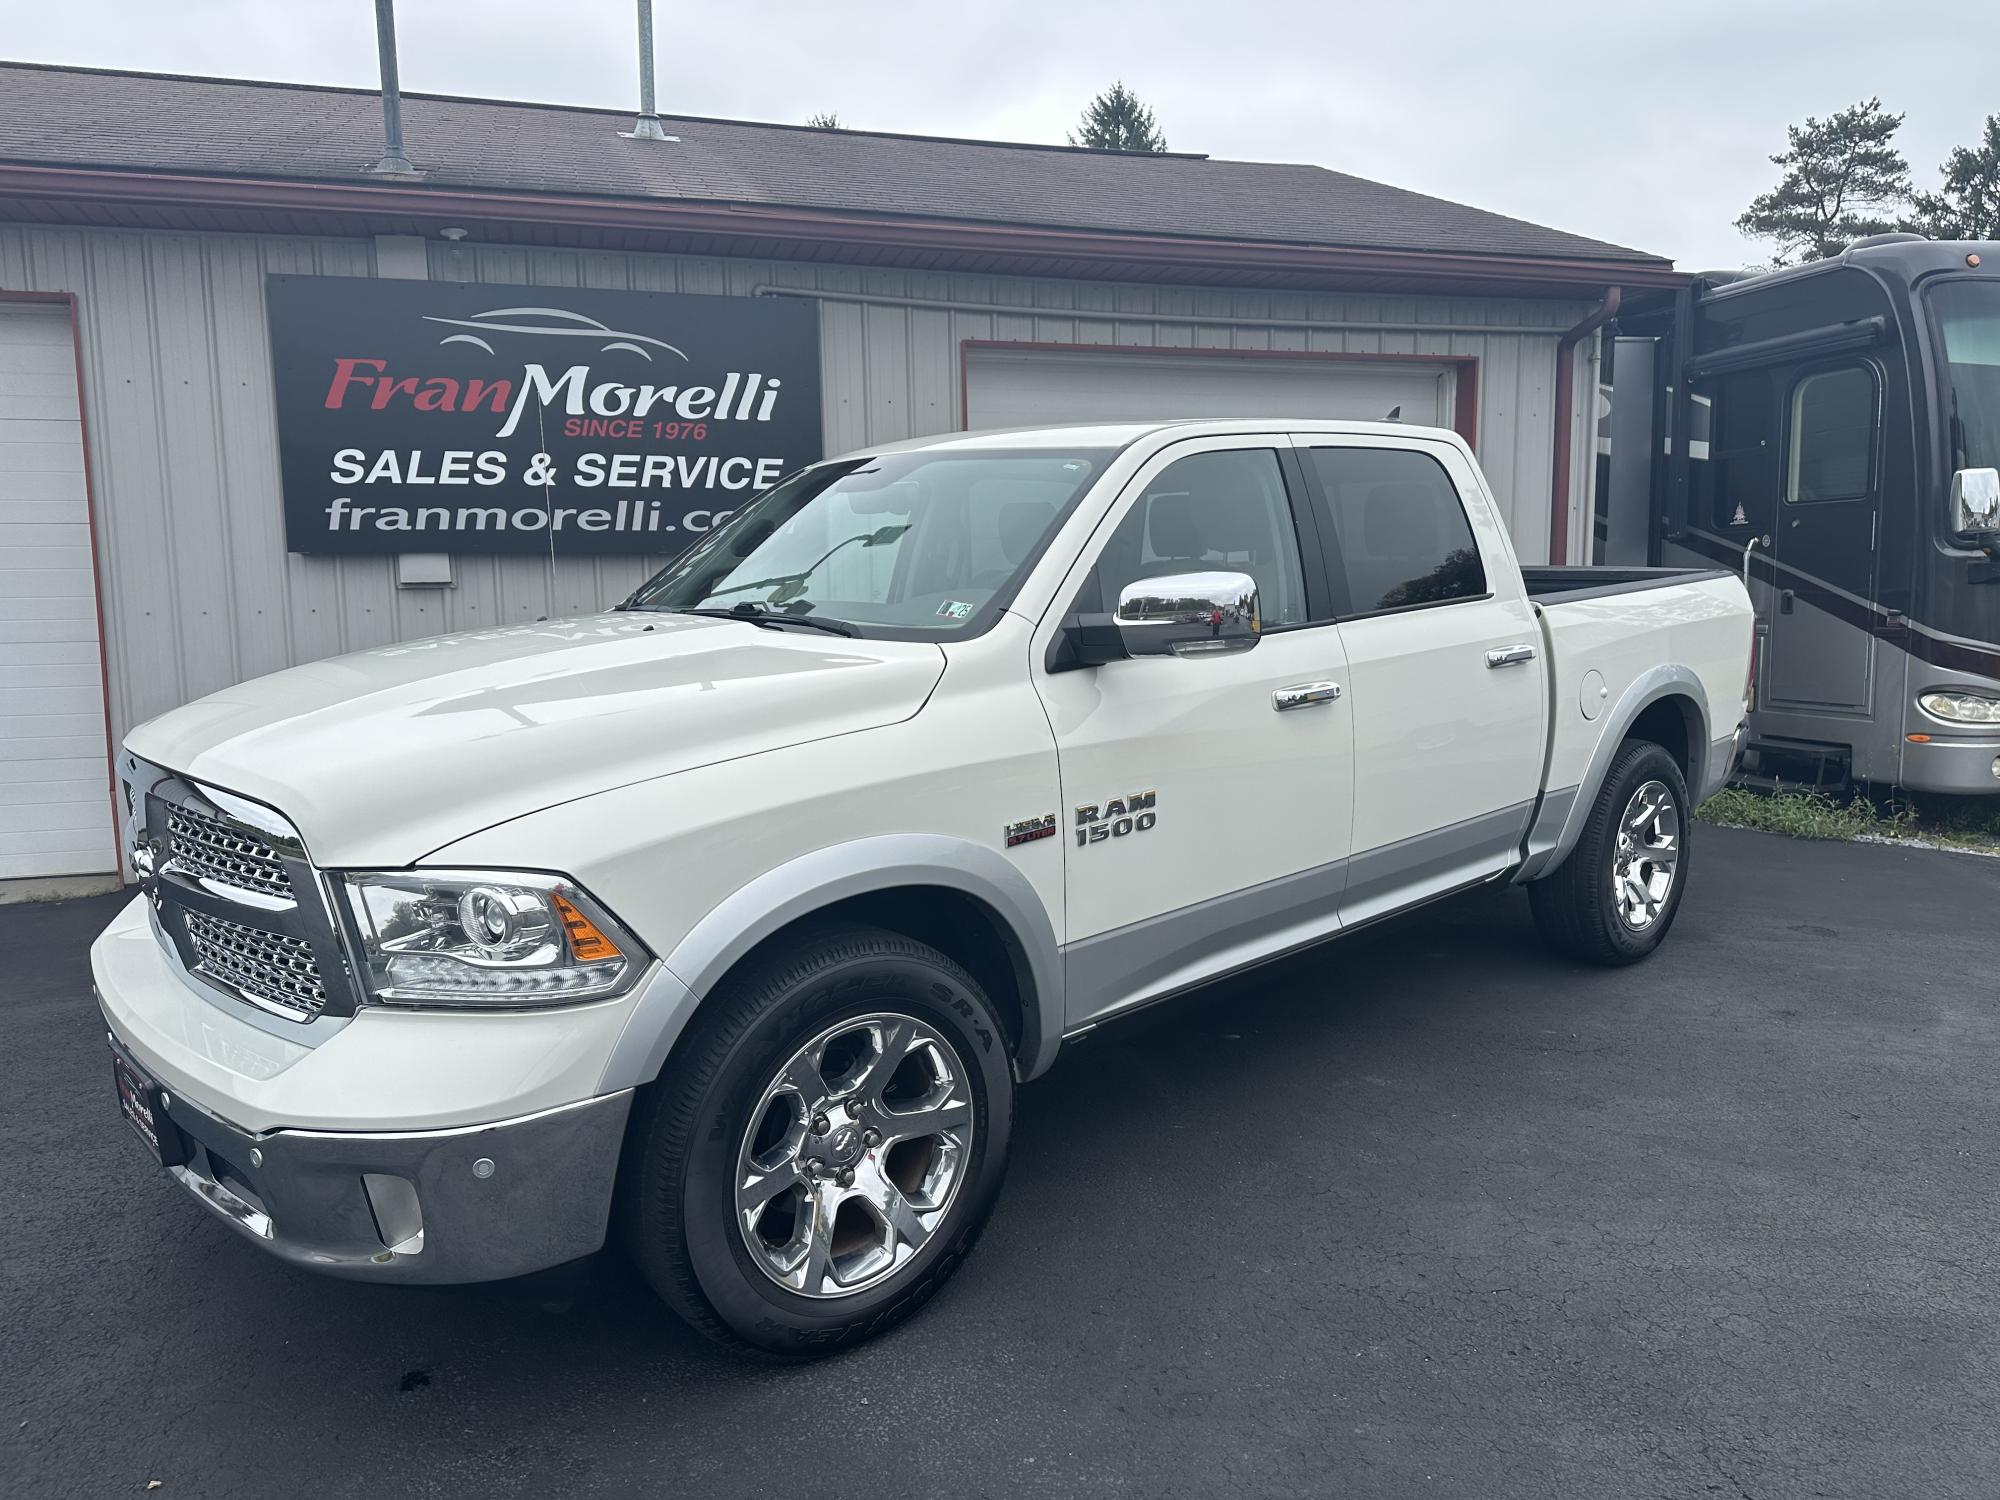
{"x":729,"y":921}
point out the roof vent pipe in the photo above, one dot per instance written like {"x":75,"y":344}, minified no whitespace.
{"x":393,"y":163}
{"x":647,"y":127}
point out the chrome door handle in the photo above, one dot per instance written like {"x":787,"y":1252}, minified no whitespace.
{"x":1510,"y":656}
{"x":1304,"y":695}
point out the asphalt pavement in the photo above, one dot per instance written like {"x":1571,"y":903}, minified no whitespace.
{"x":1426,"y":1212}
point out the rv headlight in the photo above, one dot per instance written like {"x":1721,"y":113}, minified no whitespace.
{"x":1961,"y":708}
{"x":486,"y":938}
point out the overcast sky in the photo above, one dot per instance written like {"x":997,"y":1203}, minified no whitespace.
{"x":1643,"y":125}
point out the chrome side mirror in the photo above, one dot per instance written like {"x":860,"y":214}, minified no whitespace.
{"x":1189,"y":614}
{"x":1975,"y":502}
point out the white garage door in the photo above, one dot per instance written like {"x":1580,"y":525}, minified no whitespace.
{"x":55,"y":803}
{"x":1029,"y":388}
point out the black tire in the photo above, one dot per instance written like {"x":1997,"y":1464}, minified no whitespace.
{"x":1575,"y":907}
{"x":680,"y":1207}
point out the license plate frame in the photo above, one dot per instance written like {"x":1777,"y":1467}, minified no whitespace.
{"x":139,"y":1102}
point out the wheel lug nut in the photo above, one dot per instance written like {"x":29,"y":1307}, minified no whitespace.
{"x":847,"y":1177}
{"x":871,"y":1138}
{"x":821,"y":1125}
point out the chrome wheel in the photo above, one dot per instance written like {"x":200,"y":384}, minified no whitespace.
{"x":853,"y":1155}
{"x":1649,"y":846}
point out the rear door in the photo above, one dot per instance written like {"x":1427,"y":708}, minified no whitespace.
{"x":1445,"y":681}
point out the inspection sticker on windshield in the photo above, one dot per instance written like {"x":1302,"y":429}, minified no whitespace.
{"x":954,"y":609}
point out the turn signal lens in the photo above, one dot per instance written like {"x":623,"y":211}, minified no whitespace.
{"x":1961,"y":708}
{"x":586,"y":940}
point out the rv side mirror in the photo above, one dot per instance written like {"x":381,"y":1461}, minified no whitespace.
{"x":1975,"y":502}
{"x":1189,"y":614}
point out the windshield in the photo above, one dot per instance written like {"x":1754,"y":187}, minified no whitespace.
{"x":1968,"y":314}
{"x":927,"y":544}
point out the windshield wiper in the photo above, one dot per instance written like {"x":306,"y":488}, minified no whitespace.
{"x":770,"y":619}
{"x":881,"y":536}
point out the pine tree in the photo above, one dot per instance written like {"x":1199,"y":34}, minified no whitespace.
{"x":1116,"y":121}
{"x":1969,"y":206}
{"x":1842,"y":179}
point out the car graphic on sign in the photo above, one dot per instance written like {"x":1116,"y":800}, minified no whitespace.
{"x":553,"y":322}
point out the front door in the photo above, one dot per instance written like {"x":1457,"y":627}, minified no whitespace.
{"x":1819,"y":648}
{"x":1201,"y":823}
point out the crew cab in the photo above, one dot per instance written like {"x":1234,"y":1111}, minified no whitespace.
{"x":728,"y":921}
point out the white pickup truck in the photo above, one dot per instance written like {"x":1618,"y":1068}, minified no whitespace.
{"x":732,"y":917}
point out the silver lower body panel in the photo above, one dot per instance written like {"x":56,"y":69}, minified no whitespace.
{"x":477,"y":1203}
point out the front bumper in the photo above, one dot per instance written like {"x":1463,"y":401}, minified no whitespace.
{"x":1964,"y":766}
{"x":473,"y":1203}
{"x":354,"y":1146}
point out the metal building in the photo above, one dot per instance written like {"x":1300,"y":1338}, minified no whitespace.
{"x":144,"y":555}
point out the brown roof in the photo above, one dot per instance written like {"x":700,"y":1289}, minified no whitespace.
{"x":161,"y":125}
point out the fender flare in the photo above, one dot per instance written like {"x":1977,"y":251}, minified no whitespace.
{"x":1559,"y":821}
{"x":815,"y":881}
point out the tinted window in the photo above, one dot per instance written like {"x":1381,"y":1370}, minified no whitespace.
{"x":1969,"y":318}
{"x":1833,"y":435}
{"x":1743,"y":452}
{"x":1402,"y":533}
{"x":1210,"y":512}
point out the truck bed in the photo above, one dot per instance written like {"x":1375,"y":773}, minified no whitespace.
{"x":1610,"y":633}
{"x":1559,"y":585}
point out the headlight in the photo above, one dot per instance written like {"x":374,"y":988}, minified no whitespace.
{"x":487,"y":937}
{"x":1961,"y":708}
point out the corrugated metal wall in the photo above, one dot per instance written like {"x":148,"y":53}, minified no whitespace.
{"x":199,"y":591}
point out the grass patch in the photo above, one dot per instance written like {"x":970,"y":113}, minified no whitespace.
{"x":1967,"y":817}
{"x":1949,"y":822}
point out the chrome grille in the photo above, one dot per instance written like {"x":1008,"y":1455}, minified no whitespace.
{"x":213,"y":850}
{"x":270,"y":967}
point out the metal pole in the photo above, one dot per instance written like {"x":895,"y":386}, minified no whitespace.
{"x":393,"y":160}
{"x":647,"y":127}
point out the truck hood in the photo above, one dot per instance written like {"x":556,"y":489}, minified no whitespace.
{"x":381,"y":756}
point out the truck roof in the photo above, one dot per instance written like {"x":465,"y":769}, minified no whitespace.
{"x":1123,"y":434}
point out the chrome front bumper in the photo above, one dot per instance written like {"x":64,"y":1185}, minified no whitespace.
{"x":476,"y":1203}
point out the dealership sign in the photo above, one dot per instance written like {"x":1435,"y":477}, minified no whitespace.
{"x":424,"y":416}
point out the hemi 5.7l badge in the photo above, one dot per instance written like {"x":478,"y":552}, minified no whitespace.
{"x":1027,"y":832}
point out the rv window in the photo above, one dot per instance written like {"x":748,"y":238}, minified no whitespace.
{"x":1833,"y":436}
{"x":1969,"y":317}
{"x":1740,"y":483}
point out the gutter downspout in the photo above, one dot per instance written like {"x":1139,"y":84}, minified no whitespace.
{"x":1598,"y":316}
